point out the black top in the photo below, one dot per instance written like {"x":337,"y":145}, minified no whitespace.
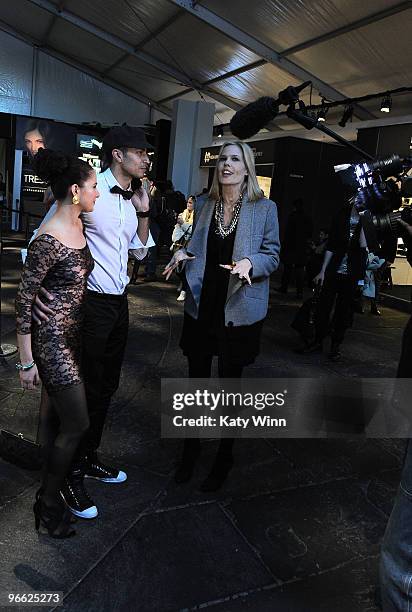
{"x":216,"y":279}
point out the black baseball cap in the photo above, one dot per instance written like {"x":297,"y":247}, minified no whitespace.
{"x":125,"y":136}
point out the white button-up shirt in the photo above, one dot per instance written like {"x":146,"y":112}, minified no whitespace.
{"x":111,"y":230}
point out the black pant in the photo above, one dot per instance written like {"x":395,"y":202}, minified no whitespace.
{"x":299,"y":276}
{"x":338,"y":290}
{"x":105,"y":331}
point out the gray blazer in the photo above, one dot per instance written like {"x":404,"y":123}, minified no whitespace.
{"x":257,"y":238}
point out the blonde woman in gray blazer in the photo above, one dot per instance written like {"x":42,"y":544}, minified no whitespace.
{"x":233,"y":250}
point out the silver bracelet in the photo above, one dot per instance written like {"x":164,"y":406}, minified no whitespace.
{"x":27,"y":366}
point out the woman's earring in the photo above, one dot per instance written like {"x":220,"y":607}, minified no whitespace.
{"x":75,"y":199}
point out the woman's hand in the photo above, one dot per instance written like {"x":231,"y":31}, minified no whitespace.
{"x":241,"y":267}
{"x":29,"y":378}
{"x":179,"y":256}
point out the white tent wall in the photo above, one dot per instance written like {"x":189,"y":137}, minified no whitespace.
{"x":34,"y":83}
{"x":16,"y":66}
{"x":67,"y":94}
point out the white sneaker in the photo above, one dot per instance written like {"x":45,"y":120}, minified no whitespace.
{"x":182,"y":296}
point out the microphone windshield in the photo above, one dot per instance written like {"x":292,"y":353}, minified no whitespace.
{"x":249,"y":120}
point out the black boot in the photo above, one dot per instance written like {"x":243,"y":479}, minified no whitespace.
{"x":221,"y":467}
{"x":217,"y":475}
{"x":314,"y":347}
{"x":335,"y":354}
{"x":191,"y":452}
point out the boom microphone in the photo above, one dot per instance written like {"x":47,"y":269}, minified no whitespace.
{"x":253,"y":117}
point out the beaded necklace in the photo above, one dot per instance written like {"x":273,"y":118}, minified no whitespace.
{"x":223,"y":230}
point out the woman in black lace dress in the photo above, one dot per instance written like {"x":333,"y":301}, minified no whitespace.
{"x":59,"y":260}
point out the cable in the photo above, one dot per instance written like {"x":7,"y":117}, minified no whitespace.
{"x":165,"y":49}
{"x":347,"y":101}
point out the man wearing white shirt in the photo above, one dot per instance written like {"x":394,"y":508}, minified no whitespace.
{"x":119,"y":222}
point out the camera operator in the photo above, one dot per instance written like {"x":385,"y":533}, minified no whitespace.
{"x":341,"y":275}
{"x":396,"y":553}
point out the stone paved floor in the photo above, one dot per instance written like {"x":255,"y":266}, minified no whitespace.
{"x":296,"y":527}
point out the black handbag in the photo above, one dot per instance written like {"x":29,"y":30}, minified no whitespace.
{"x":21,"y":451}
{"x":305,"y":319}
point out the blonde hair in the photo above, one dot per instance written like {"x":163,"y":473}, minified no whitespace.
{"x":251,"y":186}
{"x":188,"y":215}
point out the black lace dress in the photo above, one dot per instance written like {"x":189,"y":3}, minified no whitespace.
{"x":208,"y":334}
{"x":56,"y":344}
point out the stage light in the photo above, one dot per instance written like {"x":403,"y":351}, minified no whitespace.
{"x":219,"y":132}
{"x":323,"y":111}
{"x":347,"y":115}
{"x":386,"y":104}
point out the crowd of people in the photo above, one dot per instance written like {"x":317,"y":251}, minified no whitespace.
{"x":224,"y":246}
{"x":340,"y":268}
{"x":72,"y":307}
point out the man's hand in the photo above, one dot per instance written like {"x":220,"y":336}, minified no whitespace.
{"x":319,"y":278}
{"x":140,"y":200}
{"x":39,"y":311}
{"x":29,"y":378}
{"x":179,"y":256}
{"x":241,"y":267}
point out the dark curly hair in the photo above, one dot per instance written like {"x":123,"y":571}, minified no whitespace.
{"x":60,"y":171}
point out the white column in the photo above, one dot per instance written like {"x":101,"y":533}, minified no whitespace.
{"x":192,"y":129}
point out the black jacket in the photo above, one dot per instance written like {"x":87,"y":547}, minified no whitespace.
{"x":339,"y":243}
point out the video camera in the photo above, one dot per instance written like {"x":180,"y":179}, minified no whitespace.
{"x":377,"y":189}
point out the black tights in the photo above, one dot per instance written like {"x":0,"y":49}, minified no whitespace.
{"x":200,"y":366}
{"x":63,"y":421}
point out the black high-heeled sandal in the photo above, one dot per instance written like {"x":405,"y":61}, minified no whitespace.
{"x":38,"y":495}
{"x":56,"y":521}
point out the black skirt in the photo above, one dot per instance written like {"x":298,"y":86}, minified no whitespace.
{"x":235,"y":345}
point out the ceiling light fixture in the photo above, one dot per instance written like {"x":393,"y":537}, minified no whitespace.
{"x":386,"y":104}
{"x":347,"y":115}
{"x":323,"y":111}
